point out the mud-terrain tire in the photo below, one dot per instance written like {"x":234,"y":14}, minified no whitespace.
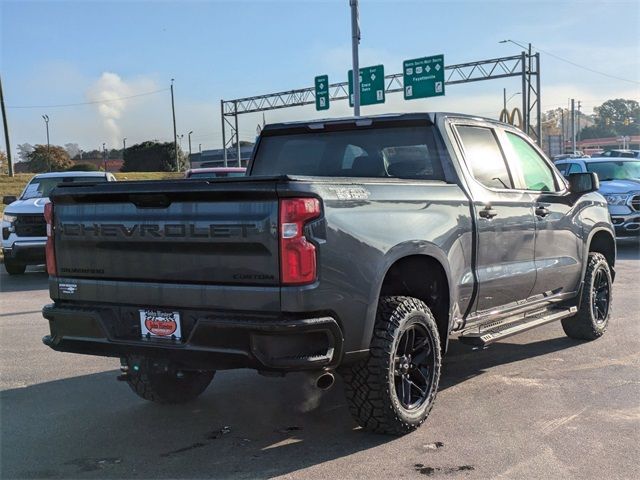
{"x":14,"y":268}
{"x":167,"y":387}
{"x":592,"y":318}
{"x":376,"y":388}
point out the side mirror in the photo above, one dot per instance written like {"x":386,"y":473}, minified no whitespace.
{"x":9,"y":199}
{"x":583,"y":182}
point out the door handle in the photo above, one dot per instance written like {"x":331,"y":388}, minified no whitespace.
{"x":488,"y":212}
{"x":541,"y":211}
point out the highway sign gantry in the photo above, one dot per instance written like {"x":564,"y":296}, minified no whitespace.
{"x":371,"y":85}
{"x":423,"y":77}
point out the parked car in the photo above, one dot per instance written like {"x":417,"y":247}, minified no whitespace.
{"x":355,"y":245}
{"x":564,"y":156}
{"x":215,"y":172}
{"x":619,"y":153}
{"x":620,"y":185}
{"x":23,"y":224}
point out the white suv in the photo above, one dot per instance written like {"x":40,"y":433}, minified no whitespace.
{"x":23,"y":226}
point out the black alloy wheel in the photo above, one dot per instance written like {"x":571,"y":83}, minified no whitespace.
{"x":414,"y":366}
{"x":600,"y":296}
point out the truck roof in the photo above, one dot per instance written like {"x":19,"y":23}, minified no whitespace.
{"x":428,"y":116}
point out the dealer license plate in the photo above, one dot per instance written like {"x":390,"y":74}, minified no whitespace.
{"x":160,"y":324}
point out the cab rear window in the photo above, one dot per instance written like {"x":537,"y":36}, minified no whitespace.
{"x":381,"y":152}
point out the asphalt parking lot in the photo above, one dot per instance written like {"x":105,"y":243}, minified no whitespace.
{"x":538,"y":405}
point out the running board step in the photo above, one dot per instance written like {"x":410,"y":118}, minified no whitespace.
{"x":512,"y":326}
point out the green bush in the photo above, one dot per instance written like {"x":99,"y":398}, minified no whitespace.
{"x":83,"y":167}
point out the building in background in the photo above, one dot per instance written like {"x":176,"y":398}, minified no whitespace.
{"x":215,"y":158}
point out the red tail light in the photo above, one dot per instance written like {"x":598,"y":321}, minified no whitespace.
{"x":49,"y":250}
{"x":297,"y":255}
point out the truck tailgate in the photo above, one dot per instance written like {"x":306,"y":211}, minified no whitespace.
{"x":198,"y":232}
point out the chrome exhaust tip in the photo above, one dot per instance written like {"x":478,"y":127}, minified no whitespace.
{"x":325,"y":381}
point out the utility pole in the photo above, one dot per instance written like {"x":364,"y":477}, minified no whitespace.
{"x":46,"y":122}
{"x":573,"y":125}
{"x":124,"y":144}
{"x":6,"y":131}
{"x":199,"y":148}
{"x":579,"y":112}
{"x":104,"y":156}
{"x":355,"y":41}
{"x":190,"y":144}
{"x":529,"y":88}
{"x":563,"y":136}
{"x":175,"y":135}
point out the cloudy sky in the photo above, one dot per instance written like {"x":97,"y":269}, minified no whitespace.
{"x":68,"y":52}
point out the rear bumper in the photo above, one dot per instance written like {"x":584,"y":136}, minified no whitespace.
{"x":211,"y":341}
{"x":29,"y":252}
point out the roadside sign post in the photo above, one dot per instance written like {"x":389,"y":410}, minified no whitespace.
{"x":371,"y":85}
{"x":355,"y":42}
{"x":423,"y":77}
{"x":322,"y":92}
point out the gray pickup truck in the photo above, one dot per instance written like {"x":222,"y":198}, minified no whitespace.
{"x":355,"y":245}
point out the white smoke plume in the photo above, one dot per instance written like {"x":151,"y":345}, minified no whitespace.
{"x":109,"y":90}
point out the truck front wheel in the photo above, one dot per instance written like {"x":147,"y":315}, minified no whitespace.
{"x":164,"y":384}
{"x":14,"y":268}
{"x":595,"y":303}
{"x":393,"y":390}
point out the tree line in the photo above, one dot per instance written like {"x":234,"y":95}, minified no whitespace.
{"x":614,"y":118}
{"x":149,"y":156}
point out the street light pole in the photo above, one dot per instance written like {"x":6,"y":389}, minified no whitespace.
{"x":190,"y":143}
{"x":175,"y":139}
{"x":104,"y":156}
{"x":46,"y":122}
{"x":124,"y":144}
{"x":526,"y":94}
{"x":355,"y":41}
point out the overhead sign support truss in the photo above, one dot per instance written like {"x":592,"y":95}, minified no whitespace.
{"x":524,"y":66}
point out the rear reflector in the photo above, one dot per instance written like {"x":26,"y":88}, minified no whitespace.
{"x":49,"y":249}
{"x":297,"y":255}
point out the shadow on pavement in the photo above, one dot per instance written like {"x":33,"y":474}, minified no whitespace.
{"x":244,"y":426}
{"x":463,"y":362}
{"x":35,"y":278}
{"x":628,"y":249}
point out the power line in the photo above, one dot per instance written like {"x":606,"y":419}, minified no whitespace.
{"x":90,"y":103}
{"x":589,"y":69}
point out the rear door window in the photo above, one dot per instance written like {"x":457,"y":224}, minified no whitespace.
{"x":484,"y":157}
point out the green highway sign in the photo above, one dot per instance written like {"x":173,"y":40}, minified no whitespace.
{"x":322,"y":92}
{"x":423,"y":77}
{"x":371,"y":85}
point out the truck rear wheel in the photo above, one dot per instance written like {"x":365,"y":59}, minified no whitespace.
{"x":394,"y":389}
{"x":595,"y":303}
{"x":14,"y":268}
{"x":164,"y":384}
